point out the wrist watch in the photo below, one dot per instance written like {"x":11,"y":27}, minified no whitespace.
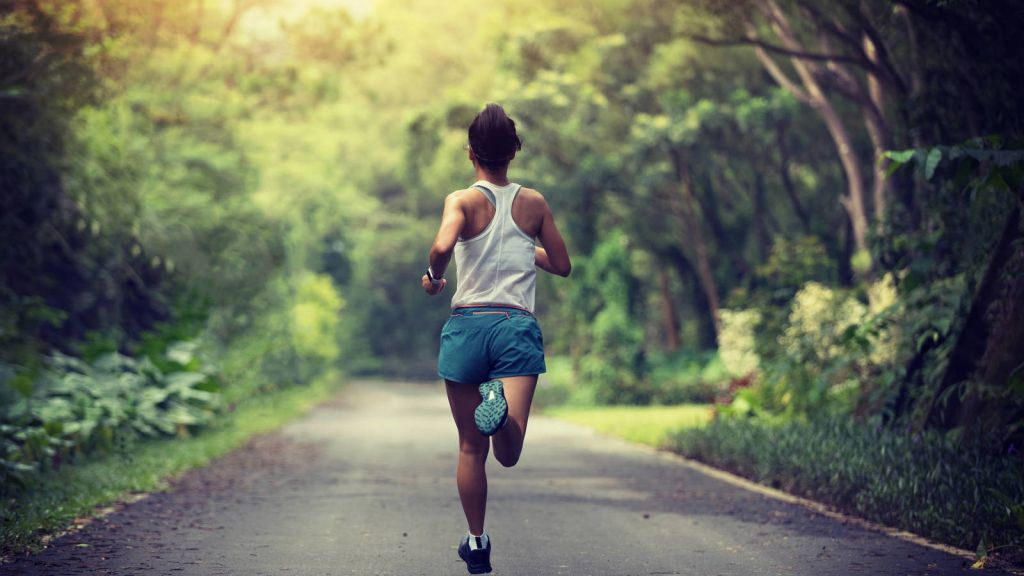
{"x":430,"y":276}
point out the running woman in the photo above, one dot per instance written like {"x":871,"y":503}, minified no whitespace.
{"x":492,"y":349}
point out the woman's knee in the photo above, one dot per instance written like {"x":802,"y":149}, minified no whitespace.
{"x":506,"y":459}
{"x":507,"y":453}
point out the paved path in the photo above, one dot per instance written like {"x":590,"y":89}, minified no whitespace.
{"x":365,"y":486}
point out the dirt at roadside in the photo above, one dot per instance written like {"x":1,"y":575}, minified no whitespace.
{"x":192,"y":501}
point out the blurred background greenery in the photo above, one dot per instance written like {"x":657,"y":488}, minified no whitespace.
{"x":807,"y":214}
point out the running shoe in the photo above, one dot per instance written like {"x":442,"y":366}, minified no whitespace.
{"x":492,"y":413}
{"x":477,"y":561}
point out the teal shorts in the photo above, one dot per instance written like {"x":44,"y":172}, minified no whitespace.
{"x":481,"y":343}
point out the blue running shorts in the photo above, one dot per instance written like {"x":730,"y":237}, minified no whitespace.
{"x":482,"y":343}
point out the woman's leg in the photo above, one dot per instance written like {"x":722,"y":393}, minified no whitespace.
{"x":473,"y":446}
{"x":508,"y":442}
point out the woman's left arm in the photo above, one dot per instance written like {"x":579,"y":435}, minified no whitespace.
{"x":452,"y":221}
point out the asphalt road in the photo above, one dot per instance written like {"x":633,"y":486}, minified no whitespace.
{"x":365,"y":486}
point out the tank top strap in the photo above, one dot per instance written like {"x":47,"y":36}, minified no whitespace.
{"x":505,"y":206}
{"x":488,"y":193}
{"x":512,"y":197}
{"x":501,"y":202}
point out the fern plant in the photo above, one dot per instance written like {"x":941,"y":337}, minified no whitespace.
{"x":76,"y":407}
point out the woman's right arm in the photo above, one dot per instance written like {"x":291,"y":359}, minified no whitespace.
{"x":553,"y":256}
{"x":452,"y":221}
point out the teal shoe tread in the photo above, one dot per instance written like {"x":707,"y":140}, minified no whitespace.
{"x":492,"y":412}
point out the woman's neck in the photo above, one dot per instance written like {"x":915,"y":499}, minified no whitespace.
{"x":499,"y":178}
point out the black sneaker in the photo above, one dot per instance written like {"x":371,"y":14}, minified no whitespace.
{"x":477,"y":561}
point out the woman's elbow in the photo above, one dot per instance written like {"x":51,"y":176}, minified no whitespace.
{"x":439,"y":249}
{"x":564,"y":270}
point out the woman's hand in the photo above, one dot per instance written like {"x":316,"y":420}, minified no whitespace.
{"x":433,"y":288}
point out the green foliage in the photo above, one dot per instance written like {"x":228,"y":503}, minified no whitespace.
{"x":669,"y":380}
{"x":610,"y":346}
{"x":688,"y":379}
{"x":835,"y":353}
{"x":190,"y":315}
{"x":390,"y":327}
{"x":737,"y":341}
{"x":270,"y":356}
{"x":790,"y":265}
{"x":816,"y":368}
{"x":558,"y":386}
{"x":926,"y":483}
{"x":55,"y":497}
{"x":972,"y":196}
{"x":246,"y":176}
{"x":650,"y":425}
{"x":50,"y":259}
{"x":315,"y":316}
{"x":76,"y":407}
{"x":980,"y":164}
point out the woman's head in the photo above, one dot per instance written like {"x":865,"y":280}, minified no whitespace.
{"x":493,"y":138}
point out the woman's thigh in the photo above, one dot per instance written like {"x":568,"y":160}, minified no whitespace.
{"x":519,"y":395}
{"x":463,"y":400}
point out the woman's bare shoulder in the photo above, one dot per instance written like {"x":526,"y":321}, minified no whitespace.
{"x":533,"y":200}
{"x":459,"y":197}
{"x":531,"y":195}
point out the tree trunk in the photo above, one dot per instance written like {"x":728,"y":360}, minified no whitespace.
{"x":709,"y":211}
{"x":763,"y":242}
{"x":706,"y":336}
{"x":873,"y":110}
{"x":853,"y":202}
{"x":688,"y":217}
{"x":787,"y":181}
{"x":975,"y":345}
{"x":814,"y":96}
{"x":669,"y":315}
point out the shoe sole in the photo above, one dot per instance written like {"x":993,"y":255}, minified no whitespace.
{"x":492,"y":412}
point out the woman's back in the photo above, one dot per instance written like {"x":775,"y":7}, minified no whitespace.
{"x":495,"y":254}
{"x":528,"y":210}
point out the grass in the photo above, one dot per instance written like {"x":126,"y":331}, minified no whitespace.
{"x":76,"y":491}
{"x":651,"y":425}
{"x":964,"y":493}
{"x":558,"y":386}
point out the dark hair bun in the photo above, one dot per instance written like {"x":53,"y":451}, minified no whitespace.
{"x":492,"y":135}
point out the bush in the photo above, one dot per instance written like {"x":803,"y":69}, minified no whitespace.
{"x":314,"y":316}
{"x":737,"y":345}
{"x":610,"y":339}
{"x":688,"y":379}
{"x":790,"y":266}
{"x":613,"y":366}
{"x":558,"y":385}
{"x":832,"y":352}
{"x":73,"y":407}
{"x":926,"y":483}
{"x":817,"y":371}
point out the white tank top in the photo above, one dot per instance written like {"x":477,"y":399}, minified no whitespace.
{"x":497,"y":266}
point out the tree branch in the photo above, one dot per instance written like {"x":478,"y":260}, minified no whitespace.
{"x":834,"y":27}
{"x":769,"y":47}
{"x":777,"y":74}
{"x":880,"y":58}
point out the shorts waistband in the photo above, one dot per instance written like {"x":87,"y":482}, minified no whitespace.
{"x":474,"y":310}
